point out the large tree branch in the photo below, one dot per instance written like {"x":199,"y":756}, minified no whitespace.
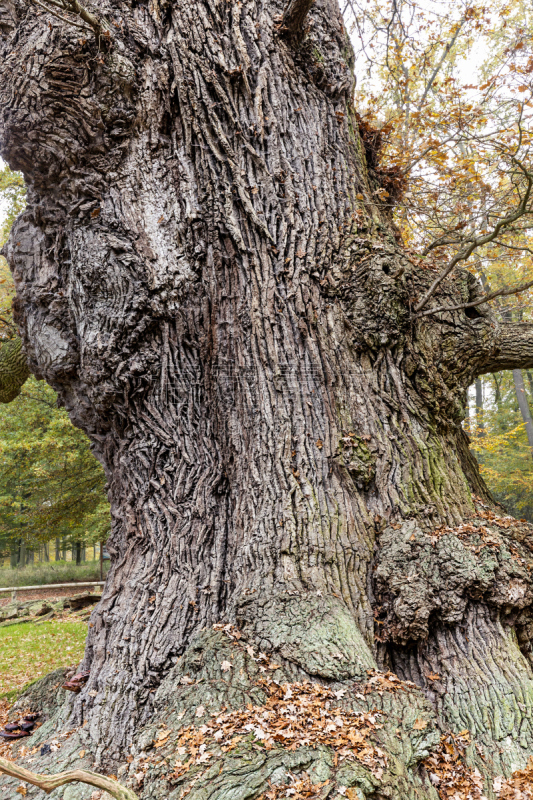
{"x":477,"y":241}
{"x":293,"y":20}
{"x":50,"y":782}
{"x":514,"y":348}
{"x":441,"y":62}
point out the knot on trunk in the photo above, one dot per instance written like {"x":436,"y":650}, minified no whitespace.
{"x":422,"y":576}
{"x":313,"y":630}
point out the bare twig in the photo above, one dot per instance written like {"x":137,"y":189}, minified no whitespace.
{"x":500,"y":293}
{"x":58,"y":16}
{"x":436,"y":71}
{"x":50,"y":782}
{"x":477,"y":241}
{"x":294,"y":16}
{"x":99,"y":26}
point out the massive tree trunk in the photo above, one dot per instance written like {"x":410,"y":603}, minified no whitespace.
{"x":206,"y":274}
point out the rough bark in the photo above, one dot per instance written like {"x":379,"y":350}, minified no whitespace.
{"x":205,"y":274}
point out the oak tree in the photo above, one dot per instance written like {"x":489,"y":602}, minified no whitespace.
{"x":208,"y":274}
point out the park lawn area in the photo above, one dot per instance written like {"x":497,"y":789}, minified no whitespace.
{"x":29,"y":651}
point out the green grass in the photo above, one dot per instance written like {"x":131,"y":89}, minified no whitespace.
{"x":52,"y":572}
{"x":30,"y":651}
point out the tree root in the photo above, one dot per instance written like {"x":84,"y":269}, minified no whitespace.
{"x":50,"y":782}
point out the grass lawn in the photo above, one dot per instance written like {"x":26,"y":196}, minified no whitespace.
{"x":28,"y":651}
{"x":52,"y":572}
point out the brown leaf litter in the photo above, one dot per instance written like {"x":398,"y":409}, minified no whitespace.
{"x":447,"y":770}
{"x":295,"y":715}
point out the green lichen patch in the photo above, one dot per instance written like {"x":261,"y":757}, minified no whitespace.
{"x":313,"y":630}
{"x":354,"y":455}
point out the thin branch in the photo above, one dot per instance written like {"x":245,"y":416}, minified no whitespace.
{"x":479,"y":301}
{"x":58,"y":16}
{"x":478,"y":241}
{"x":441,"y":62}
{"x":424,"y":153}
{"x":99,"y":26}
{"x":442,"y":241}
{"x":293,"y":19}
{"x":50,"y":782}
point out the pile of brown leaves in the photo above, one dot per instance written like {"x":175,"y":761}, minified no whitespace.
{"x":299,"y":788}
{"x":295,"y":714}
{"x":449,"y":773}
{"x":465,"y":531}
{"x":518,"y":787}
{"x":386,"y":681}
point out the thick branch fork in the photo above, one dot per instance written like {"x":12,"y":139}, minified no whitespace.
{"x":50,"y":782}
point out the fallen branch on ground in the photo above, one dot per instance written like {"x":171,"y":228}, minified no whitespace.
{"x":50,"y":782}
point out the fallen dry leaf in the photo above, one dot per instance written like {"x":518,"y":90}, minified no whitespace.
{"x":294,"y":715}
{"x":162,"y":737}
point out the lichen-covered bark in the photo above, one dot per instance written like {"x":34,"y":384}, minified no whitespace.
{"x":205,"y":274}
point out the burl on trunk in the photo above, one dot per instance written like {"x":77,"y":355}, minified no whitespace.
{"x":206,"y":274}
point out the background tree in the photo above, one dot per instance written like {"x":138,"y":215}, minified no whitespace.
{"x":50,"y":483}
{"x":447,"y":97}
{"x":208,"y":274}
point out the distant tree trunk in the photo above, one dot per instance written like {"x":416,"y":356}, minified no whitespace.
{"x":22,"y":553}
{"x":46,"y":553}
{"x":498,"y":389}
{"x":14,"y":555}
{"x":523,"y":405}
{"x":480,"y":425}
{"x":63,"y":548}
{"x":76,"y":553}
{"x":530,"y":381}
{"x":58,"y":549}
{"x":208,"y":277}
